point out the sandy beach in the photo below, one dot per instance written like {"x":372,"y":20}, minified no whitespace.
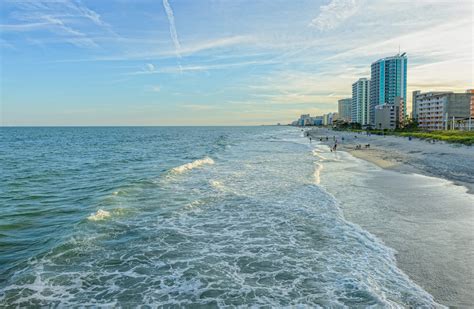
{"x":417,"y":198}
{"x":453,"y":162}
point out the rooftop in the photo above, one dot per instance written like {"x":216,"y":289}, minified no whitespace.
{"x":397,"y":56}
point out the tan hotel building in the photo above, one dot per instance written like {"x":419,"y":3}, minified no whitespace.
{"x":435,"y":110}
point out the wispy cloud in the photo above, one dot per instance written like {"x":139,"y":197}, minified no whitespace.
{"x":173,"y":33}
{"x":71,"y":35}
{"x":418,"y":42}
{"x":151,"y":69}
{"x":192,"y":48}
{"x":24,"y":27}
{"x":217,"y":43}
{"x":59,"y":17}
{"x":335,"y":13}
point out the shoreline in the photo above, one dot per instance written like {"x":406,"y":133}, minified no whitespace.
{"x":453,"y":162}
{"x":433,"y":238}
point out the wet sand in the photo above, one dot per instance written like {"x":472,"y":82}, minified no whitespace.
{"x":428,"y":220}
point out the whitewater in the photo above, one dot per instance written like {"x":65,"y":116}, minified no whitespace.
{"x":180,"y":217}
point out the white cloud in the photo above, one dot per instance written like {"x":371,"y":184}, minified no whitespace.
{"x":335,"y":13}
{"x":422,"y":42}
{"x":173,"y":33}
{"x":58,"y":17}
{"x":439,"y":56}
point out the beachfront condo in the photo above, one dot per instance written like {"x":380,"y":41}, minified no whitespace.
{"x":344,"y":109}
{"x":443,"y":110}
{"x":360,"y":101}
{"x":388,"y":80}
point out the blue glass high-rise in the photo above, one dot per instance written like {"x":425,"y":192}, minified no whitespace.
{"x":388,"y":82}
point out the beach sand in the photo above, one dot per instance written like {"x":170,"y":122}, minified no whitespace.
{"x":453,"y":162}
{"x":377,"y":157}
{"x":420,"y":203}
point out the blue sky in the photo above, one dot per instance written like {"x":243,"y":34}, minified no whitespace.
{"x":216,"y":62}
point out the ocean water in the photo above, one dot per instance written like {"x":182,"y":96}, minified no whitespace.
{"x":183,"y":217}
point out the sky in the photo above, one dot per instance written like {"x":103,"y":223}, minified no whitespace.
{"x":216,"y":62}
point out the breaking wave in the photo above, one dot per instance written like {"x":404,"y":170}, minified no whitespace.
{"x":189,"y":166}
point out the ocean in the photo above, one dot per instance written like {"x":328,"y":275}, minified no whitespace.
{"x":182,"y":216}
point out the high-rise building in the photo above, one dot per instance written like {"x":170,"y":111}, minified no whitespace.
{"x":360,"y":101}
{"x":388,"y":80}
{"x":344,"y":109}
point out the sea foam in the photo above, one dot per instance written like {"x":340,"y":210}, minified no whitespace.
{"x":99,"y":215}
{"x":189,"y":166}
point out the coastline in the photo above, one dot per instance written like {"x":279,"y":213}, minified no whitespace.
{"x":452,"y":162}
{"x":424,"y":214}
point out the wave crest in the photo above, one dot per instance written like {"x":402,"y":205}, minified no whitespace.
{"x":189,"y":166}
